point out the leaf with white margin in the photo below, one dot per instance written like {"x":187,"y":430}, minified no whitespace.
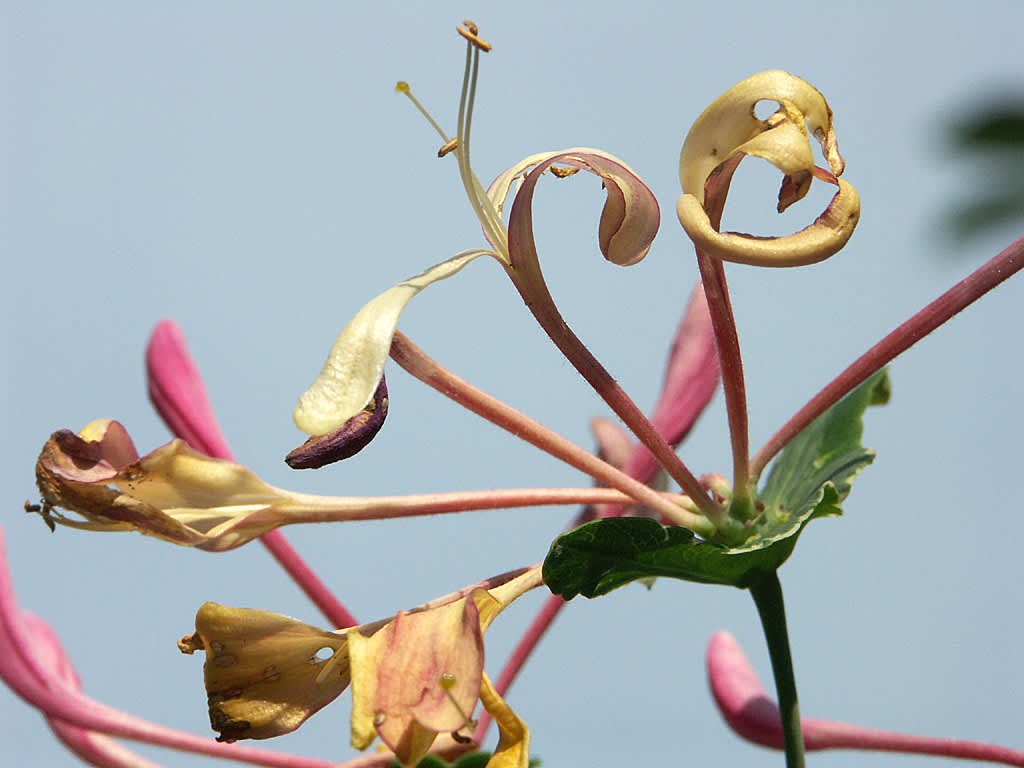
{"x":356,"y":361}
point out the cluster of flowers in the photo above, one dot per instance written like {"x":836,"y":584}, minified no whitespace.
{"x":418,"y":676}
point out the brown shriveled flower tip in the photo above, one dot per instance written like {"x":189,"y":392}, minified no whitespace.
{"x":174,"y":493}
{"x":348,"y":439}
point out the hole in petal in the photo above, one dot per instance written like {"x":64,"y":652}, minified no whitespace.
{"x":765,"y":108}
{"x":324,"y":654}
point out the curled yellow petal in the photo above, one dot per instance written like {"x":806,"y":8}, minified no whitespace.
{"x":356,"y":361}
{"x":824,"y":237}
{"x":514,"y":741}
{"x":730,"y":129}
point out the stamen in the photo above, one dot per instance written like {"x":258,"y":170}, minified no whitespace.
{"x":403,"y":87}
{"x":447,"y":682}
{"x":449,"y":146}
{"x":561,"y":172}
{"x":484,"y":209}
{"x":471,"y":32}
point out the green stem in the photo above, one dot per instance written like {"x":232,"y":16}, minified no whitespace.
{"x":767,"y":594}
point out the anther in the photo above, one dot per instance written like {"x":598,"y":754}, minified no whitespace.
{"x":449,"y":146}
{"x":562,"y":172}
{"x":470,"y":33}
{"x":403,"y":87}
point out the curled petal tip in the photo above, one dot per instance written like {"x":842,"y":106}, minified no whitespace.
{"x":728,"y":130}
{"x":629,"y":220}
{"x":824,"y":237}
{"x":346,"y":441}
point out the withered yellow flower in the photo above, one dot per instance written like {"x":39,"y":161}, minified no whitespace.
{"x":728,"y":130}
{"x":413,"y":676}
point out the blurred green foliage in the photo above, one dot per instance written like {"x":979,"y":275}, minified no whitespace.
{"x":991,"y":139}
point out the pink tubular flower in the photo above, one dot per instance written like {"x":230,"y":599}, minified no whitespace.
{"x":750,"y":712}
{"x":33,"y":664}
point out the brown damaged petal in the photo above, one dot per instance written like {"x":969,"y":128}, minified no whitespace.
{"x":346,"y":441}
{"x":265,"y":673}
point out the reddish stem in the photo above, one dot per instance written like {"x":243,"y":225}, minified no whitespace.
{"x":308,"y":581}
{"x":535,"y":293}
{"x":56,"y":697}
{"x":427,"y":370}
{"x":531,"y":637}
{"x":733,"y":385}
{"x":1007,"y":263}
{"x":716,"y":290}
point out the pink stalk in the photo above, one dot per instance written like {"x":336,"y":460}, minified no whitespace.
{"x":391,"y":507}
{"x":177,"y":392}
{"x":94,"y":748}
{"x":31,"y":672}
{"x":727,"y":340}
{"x":750,"y":712}
{"x":531,"y":637}
{"x":421,"y":366}
{"x":1007,"y":263}
{"x":691,"y":377}
{"x":525,"y":272}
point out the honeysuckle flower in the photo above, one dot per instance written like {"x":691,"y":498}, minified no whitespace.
{"x":185,"y":497}
{"x":728,"y":130}
{"x":413,"y":676}
{"x":628,"y":223}
{"x":513,"y":749}
{"x":173,"y":493}
{"x":752,"y":714}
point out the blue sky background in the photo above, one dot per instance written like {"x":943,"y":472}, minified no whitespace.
{"x":246,"y":169}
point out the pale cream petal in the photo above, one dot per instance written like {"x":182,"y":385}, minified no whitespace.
{"x":356,"y":361}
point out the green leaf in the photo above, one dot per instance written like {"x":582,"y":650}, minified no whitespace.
{"x":810,"y":478}
{"x":428,"y":761}
{"x":468,"y":760}
{"x":472,"y":760}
